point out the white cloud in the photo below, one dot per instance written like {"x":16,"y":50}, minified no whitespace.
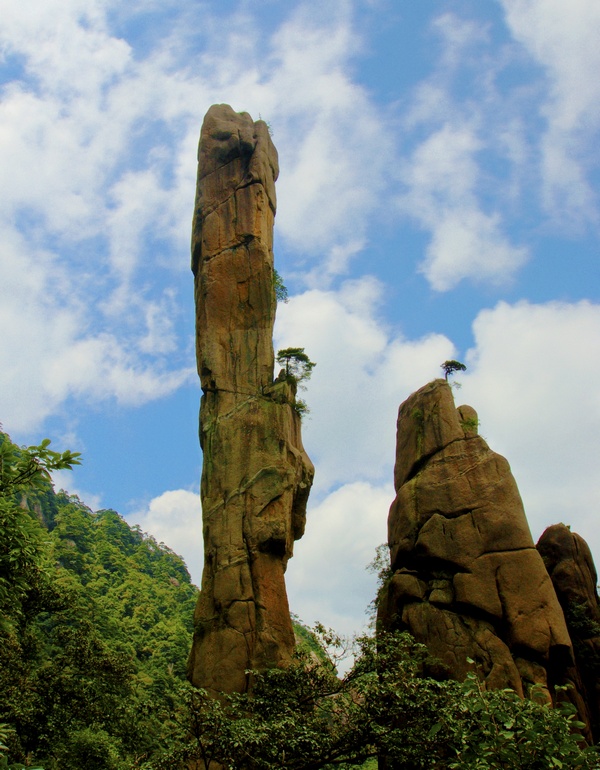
{"x":64,"y":480}
{"x":333,"y":141}
{"x":342,"y":533}
{"x":563,"y":39}
{"x":98,"y":140}
{"x":442,"y":180}
{"x":49,"y":354}
{"x":175,"y":518}
{"x":459,"y":36}
{"x":67,"y":44}
{"x":532,"y":378}
{"x":363,"y":372}
{"x":137,"y":197}
{"x":341,"y":536}
{"x":458,"y":138}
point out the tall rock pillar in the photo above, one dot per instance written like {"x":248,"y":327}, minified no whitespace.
{"x":256,"y":476}
{"x":467,"y":580}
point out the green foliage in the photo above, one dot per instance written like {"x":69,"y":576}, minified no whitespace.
{"x":580,"y":622}
{"x":381,"y":567}
{"x":97,"y":625}
{"x":301,"y":407}
{"x":281,"y":292}
{"x":308,"y":641}
{"x":26,"y":467}
{"x":499,"y":730}
{"x":582,"y":627}
{"x":22,"y":550}
{"x":298,"y":366}
{"x":298,"y":369}
{"x":470,"y":424}
{"x":305,"y":717}
{"x":93,"y":749}
{"x":452,"y":366}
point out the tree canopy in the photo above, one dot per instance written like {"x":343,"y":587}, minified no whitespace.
{"x":452,"y":366}
{"x":297,"y":364}
{"x":96,"y":625}
{"x":281,"y":292}
{"x":305,"y":717}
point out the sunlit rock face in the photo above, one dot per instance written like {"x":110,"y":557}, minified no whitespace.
{"x":256,"y":476}
{"x":569,"y":562}
{"x":467,"y":579}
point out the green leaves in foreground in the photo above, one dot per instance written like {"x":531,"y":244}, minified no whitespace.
{"x":24,"y":467}
{"x":305,"y":717}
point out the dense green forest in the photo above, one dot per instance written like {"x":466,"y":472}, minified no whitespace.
{"x":95,"y":628}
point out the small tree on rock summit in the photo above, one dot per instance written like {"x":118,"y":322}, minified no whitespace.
{"x":450,"y":367}
{"x":298,"y":365}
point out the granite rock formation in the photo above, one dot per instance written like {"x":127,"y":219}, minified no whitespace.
{"x":569,"y":562}
{"x":256,"y":476}
{"x":467,"y":580}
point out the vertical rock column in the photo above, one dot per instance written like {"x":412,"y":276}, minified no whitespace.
{"x":467,"y":579}
{"x":570,"y":565}
{"x":256,"y":476}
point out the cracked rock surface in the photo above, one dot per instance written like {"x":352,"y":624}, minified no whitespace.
{"x":570,"y":565}
{"x":256,"y":476}
{"x":467,"y":579}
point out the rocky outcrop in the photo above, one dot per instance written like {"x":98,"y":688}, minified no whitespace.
{"x":569,"y":562}
{"x":467,"y":580}
{"x":256,"y":475}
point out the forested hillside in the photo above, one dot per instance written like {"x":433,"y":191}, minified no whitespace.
{"x":96,"y":627}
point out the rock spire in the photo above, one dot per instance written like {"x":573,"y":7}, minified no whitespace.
{"x":256,"y":476}
{"x":569,"y":562}
{"x":467,"y":580}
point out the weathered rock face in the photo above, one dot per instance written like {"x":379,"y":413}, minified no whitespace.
{"x":569,"y":562}
{"x":256,"y":476}
{"x":467,"y":579}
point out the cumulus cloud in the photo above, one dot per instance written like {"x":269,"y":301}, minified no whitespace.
{"x":49,"y":353}
{"x":341,"y":536}
{"x":333,"y":142}
{"x":98,"y":139}
{"x":479,"y":144}
{"x":563,"y":39}
{"x":466,"y":242}
{"x":342,"y":533}
{"x":175,"y":518}
{"x":364,"y":370}
{"x":453,"y":144}
{"x":532,"y":377}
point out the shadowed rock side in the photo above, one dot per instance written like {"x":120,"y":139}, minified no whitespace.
{"x":467,"y":579}
{"x":569,"y":562}
{"x":256,"y":476}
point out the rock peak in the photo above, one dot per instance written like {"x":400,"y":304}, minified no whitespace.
{"x":462,"y":553}
{"x":256,"y":476}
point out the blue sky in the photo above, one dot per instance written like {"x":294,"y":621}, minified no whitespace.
{"x":438,"y":198}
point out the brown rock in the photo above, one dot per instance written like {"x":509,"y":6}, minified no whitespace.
{"x":256,"y":476}
{"x":569,"y":562}
{"x":468,"y":581}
